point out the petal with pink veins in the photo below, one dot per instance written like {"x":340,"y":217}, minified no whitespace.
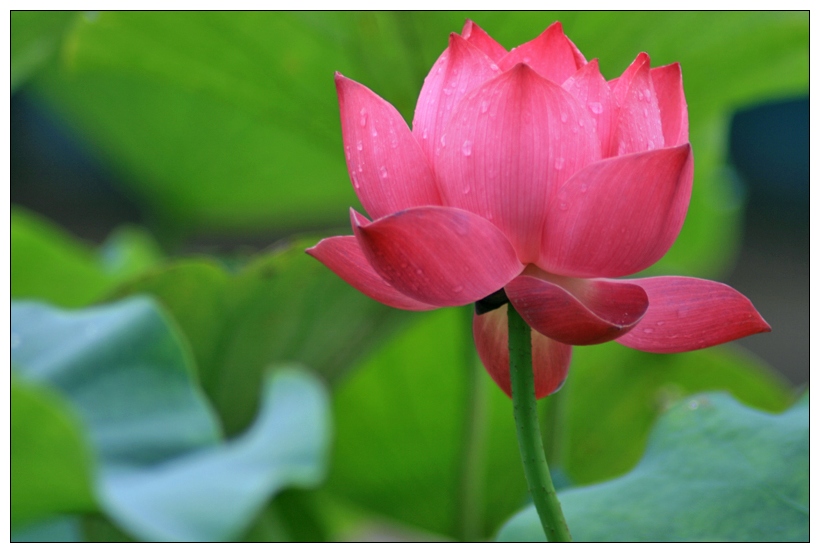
{"x":550,"y":359}
{"x":344,"y":256}
{"x":668,"y":84}
{"x":437,"y":255}
{"x":551,"y":54}
{"x":686,"y":314}
{"x":638,"y":123}
{"x":618,"y":216}
{"x":592,"y":91}
{"x":479,"y":38}
{"x":509,"y":145}
{"x":577,"y":311}
{"x":388,"y":169}
{"x":461,"y":68}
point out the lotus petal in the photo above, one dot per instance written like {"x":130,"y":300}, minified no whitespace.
{"x":577,"y":311}
{"x":551,"y":54}
{"x":686,"y":314}
{"x":668,"y":84}
{"x":592,"y":90}
{"x":509,"y":145}
{"x":476,"y":36}
{"x":344,"y":256}
{"x":618,"y":216}
{"x":388,"y":169}
{"x":638,"y":126}
{"x":439,"y":256}
{"x":461,"y":68}
{"x":550,"y":359}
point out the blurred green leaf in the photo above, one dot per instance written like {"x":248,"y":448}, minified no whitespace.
{"x":163,"y":472}
{"x":124,"y":370}
{"x":35,"y":37}
{"x":229,"y":119}
{"x":49,"y":264}
{"x":400,"y":433}
{"x":283,"y":306}
{"x":51,"y":461}
{"x":62,"y":529}
{"x":213,"y":494}
{"x":614,"y":394}
{"x":714,"y":470}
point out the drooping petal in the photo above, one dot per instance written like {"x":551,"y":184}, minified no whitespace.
{"x":550,"y":359}
{"x":618,"y":216}
{"x":344,"y":256}
{"x":439,"y":256}
{"x":551,"y":54}
{"x":592,"y":91}
{"x":460,"y":69}
{"x":686,"y":314}
{"x":479,"y":38}
{"x":577,"y":311}
{"x":668,"y":84}
{"x":388,"y":169}
{"x":638,"y":124}
{"x":509,"y":145}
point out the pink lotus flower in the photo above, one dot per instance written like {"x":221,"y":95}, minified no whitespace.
{"x":528,"y":177}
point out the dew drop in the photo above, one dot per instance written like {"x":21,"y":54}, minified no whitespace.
{"x":356,"y":184}
{"x":466,"y":189}
{"x":419,"y":272}
{"x":584,"y":187}
{"x":527,"y":59}
{"x":458,"y":289}
{"x":359,"y":145}
{"x":645,"y":112}
{"x":494,"y":67}
{"x":447,"y":91}
{"x":559,"y":164}
{"x":467,"y":148}
{"x":485,"y":105}
{"x":650,"y":145}
{"x":374,"y":133}
{"x":660,"y":323}
{"x":648,"y":330}
{"x":443,"y":140}
{"x":424,"y":134}
{"x":580,"y":122}
{"x":383,"y":172}
{"x":647,"y":94}
{"x":363,"y":117}
{"x":564,"y":117}
{"x":596,"y":107}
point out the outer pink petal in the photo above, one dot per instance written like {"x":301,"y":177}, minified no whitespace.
{"x":460,"y":69}
{"x":509,"y":145}
{"x":686,"y":314}
{"x":638,"y":127}
{"x":618,"y":216}
{"x":439,"y":256}
{"x":668,"y":84}
{"x":578,"y":311}
{"x":388,"y":169}
{"x":551,"y":54}
{"x":592,"y":91}
{"x":550,"y":359}
{"x":476,"y":36}
{"x":344,"y":256}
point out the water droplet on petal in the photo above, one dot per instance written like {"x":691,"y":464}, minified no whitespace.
{"x":359,"y":145}
{"x":559,"y":164}
{"x":527,"y":59}
{"x":467,"y":148}
{"x":564,"y":117}
{"x":383,"y":172}
{"x":580,"y":122}
{"x":494,"y":67}
{"x":443,"y":140}
{"x":374,"y":133}
{"x":596,"y":107}
{"x":466,"y":189}
{"x":648,"y":330}
{"x":448,"y":91}
{"x":363,"y":117}
{"x":355,"y":178}
{"x":660,"y":323}
{"x":424,"y":134}
{"x":419,"y":272}
{"x":458,"y":289}
{"x":584,"y":187}
{"x":485,"y":105}
{"x":647,"y":94}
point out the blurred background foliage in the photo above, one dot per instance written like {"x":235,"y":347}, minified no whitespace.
{"x":177,"y":154}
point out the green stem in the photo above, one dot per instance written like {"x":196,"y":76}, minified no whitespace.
{"x":529,"y":436}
